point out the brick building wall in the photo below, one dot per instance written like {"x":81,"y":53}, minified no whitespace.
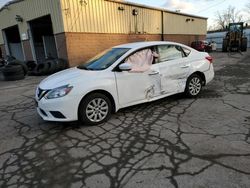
{"x":79,"y":47}
{"x":184,"y":39}
{"x":83,"y":46}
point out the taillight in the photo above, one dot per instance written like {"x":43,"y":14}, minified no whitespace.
{"x":210,"y":59}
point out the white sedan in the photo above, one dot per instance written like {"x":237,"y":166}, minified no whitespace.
{"x":123,"y":76}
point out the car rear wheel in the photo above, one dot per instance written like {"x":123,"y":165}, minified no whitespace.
{"x":95,"y":109}
{"x":193,"y":86}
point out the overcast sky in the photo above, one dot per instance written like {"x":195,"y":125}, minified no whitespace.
{"x":206,"y":8}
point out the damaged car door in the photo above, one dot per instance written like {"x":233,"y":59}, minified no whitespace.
{"x":141,"y":83}
{"x":174,"y":68}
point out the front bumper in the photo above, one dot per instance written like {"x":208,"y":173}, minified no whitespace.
{"x":63,"y":109}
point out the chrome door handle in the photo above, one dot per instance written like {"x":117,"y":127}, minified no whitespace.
{"x":185,"y":66}
{"x":153,"y":73}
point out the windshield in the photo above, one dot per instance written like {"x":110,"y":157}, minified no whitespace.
{"x":235,"y":27}
{"x":104,"y":59}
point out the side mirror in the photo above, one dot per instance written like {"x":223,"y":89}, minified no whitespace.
{"x":125,"y":67}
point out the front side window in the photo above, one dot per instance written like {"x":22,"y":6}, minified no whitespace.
{"x":169,"y":52}
{"x":104,"y":60}
{"x":142,"y":60}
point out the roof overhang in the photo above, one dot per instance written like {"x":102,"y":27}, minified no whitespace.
{"x":9,"y":3}
{"x":126,"y":3}
{"x":156,"y":8}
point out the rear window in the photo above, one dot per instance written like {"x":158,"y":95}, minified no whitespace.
{"x":169,"y":52}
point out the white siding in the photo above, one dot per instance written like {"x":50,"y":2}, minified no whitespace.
{"x":100,"y":16}
{"x":178,"y":24}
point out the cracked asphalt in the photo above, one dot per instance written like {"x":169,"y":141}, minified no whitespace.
{"x":172,"y":143}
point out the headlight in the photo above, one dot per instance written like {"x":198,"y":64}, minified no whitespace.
{"x":58,"y":92}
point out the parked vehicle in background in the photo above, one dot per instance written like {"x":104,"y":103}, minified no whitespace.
{"x":123,"y":76}
{"x":202,"y":46}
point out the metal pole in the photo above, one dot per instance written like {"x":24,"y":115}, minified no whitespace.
{"x":162,"y":25}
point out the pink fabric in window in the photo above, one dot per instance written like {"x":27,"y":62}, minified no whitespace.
{"x":141,"y":61}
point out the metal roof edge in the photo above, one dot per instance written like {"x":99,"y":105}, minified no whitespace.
{"x":5,"y":6}
{"x":126,"y":3}
{"x":156,"y":8}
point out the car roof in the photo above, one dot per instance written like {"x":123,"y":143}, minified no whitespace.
{"x":137,"y":45}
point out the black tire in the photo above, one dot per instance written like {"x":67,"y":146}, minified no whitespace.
{"x":33,"y":73}
{"x":14,"y":77}
{"x":12,"y":69}
{"x":1,"y":69}
{"x":193,"y":86}
{"x":31,"y":65}
{"x":24,"y":66}
{"x":52,"y":66}
{"x":2,"y":63}
{"x":86,"y":103}
{"x":42,"y":69}
{"x":61,"y":64}
{"x":13,"y":72}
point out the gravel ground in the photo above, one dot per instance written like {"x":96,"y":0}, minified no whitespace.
{"x":175,"y":142}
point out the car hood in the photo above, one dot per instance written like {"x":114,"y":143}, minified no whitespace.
{"x":64,"y":78}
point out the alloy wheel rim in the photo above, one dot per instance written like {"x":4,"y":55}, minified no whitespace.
{"x":97,"y":110}
{"x":195,"y":86}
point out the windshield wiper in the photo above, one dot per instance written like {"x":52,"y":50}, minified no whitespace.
{"x":82,"y":67}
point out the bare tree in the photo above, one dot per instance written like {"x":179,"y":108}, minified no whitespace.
{"x":248,"y":7}
{"x":247,"y":10}
{"x":229,"y":15}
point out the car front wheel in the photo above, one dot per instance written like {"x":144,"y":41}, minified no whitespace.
{"x":193,"y":86}
{"x":95,"y":109}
